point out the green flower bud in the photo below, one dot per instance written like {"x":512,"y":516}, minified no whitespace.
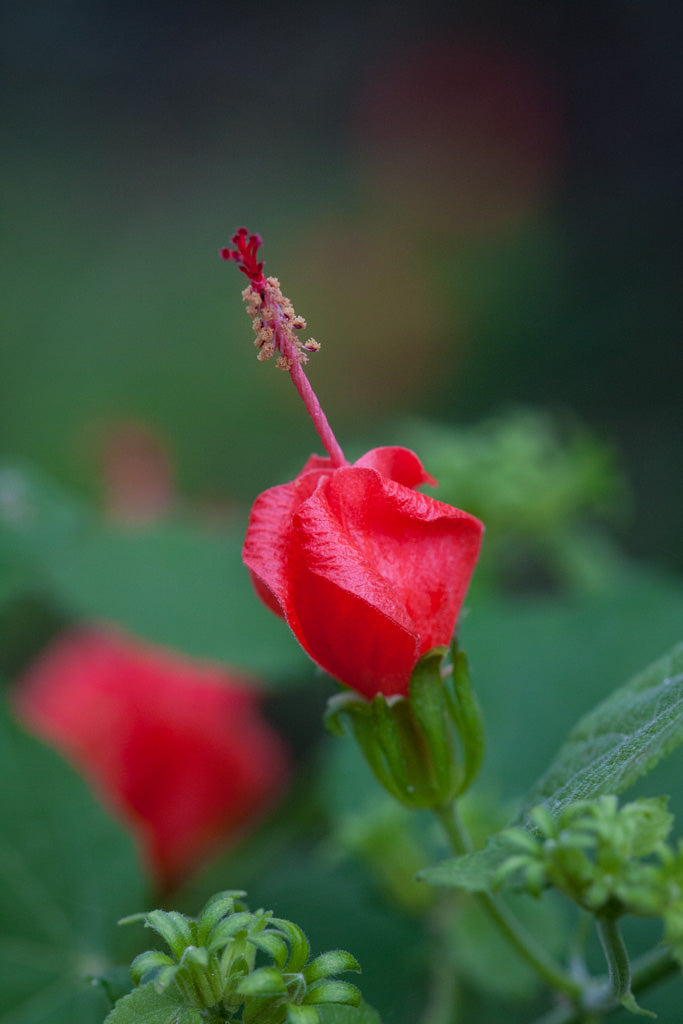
{"x":425,"y":748}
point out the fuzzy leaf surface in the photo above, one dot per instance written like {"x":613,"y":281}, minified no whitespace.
{"x":147,"y":1006}
{"x":623,"y":738}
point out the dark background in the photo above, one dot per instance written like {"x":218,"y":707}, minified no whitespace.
{"x":474,"y":204}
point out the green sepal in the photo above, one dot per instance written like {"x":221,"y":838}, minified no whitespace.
{"x":152,"y":960}
{"x":333,"y":992}
{"x":195,"y":956}
{"x":337,"y":706}
{"x":302,"y":1014}
{"x":298,"y":944}
{"x":328,"y":964}
{"x":133,"y":918}
{"x":264,"y":981}
{"x":218,"y":907}
{"x":174,"y":929}
{"x":386,"y":718}
{"x":272,"y":944}
{"x":467,"y":717}
{"x":428,"y":701}
{"x":165,"y":978}
{"x":364,"y":731}
{"x":228,"y":928}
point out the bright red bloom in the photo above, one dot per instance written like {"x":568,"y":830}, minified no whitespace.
{"x":368,"y":572}
{"x":178,"y":748}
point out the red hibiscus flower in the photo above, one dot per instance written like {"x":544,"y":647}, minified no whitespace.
{"x":368,"y":572}
{"x":178,"y":749}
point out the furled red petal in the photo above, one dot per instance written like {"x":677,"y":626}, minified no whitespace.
{"x":177,"y":748}
{"x":399,"y":464}
{"x":376,"y":576}
{"x":266,"y":545}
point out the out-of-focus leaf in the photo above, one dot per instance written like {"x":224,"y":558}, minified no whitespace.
{"x":623,"y":738}
{"x":485,"y":959}
{"x":362,"y":1014}
{"x":175,"y":585}
{"x":610,"y":747}
{"x":67,"y":874}
{"x":172,"y":583}
{"x":474,"y":872}
{"x":36,"y":518}
{"x":539,"y":664}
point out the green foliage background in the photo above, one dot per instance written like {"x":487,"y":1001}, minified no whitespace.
{"x":136,"y":142}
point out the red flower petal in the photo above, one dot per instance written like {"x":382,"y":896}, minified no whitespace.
{"x":368,"y":573}
{"x":178,"y":749}
{"x":399,"y":464}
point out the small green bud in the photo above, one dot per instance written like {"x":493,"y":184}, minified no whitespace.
{"x":211,"y":970}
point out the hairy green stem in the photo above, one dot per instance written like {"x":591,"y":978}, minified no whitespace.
{"x":647,"y":970}
{"x":616,"y":955}
{"x":506,"y":922}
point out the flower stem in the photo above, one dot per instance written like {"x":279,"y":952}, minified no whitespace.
{"x":616,"y":955}
{"x":525,"y":945}
{"x":647,"y":970}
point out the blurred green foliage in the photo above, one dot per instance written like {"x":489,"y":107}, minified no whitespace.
{"x":544,"y":493}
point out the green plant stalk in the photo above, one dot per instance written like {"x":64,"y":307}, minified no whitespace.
{"x":616,"y":955}
{"x":647,"y":970}
{"x":525,"y":945}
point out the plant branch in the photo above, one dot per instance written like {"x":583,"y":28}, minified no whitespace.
{"x":506,"y":922}
{"x":616,"y":955}
{"x":647,"y":971}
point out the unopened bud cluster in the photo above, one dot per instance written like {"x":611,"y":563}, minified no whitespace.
{"x":610,"y":860}
{"x":275,"y":325}
{"x":212,"y":972}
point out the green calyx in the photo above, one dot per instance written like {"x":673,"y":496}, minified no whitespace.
{"x":425,"y":748}
{"x":231,"y":965}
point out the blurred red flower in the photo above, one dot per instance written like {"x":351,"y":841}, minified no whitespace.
{"x":368,"y":572}
{"x":178,"y":748}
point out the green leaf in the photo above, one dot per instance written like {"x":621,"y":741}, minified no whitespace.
{"x":485,"y":961}
{"x":36,"y":518}
{"x":176,"y":585}
{"x":336,"y":1014}
{"x":623,"y":738}
{"x":474,"y":872}
{"x":147,"y":1006}
{"x":67,"y":873}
